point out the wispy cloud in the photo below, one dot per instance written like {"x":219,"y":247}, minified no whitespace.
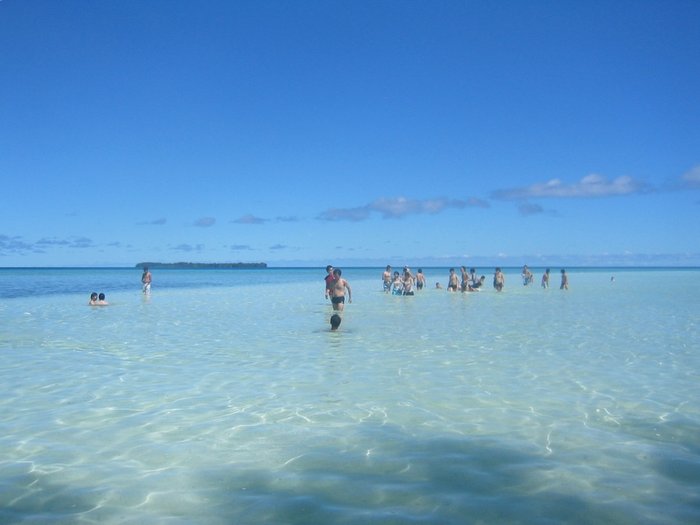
{"x":205,"y":222}
{"x":46,"y":242}
{"x":188,"y":247}
{"x":528,"y":208}
{"x":240,"y":247}
{"x":278,"y":247}
{"x":81,"y":242}
{"x":398,"y":207}
{"x":15,"y":245}
{"x":250,"y":219}
{"x":691,"y":179}
{"x":589,"y":186}
{"x":72,"y":242}
{"x":155,"y":222}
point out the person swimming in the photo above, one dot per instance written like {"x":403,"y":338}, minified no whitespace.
{"x":335,"y":322}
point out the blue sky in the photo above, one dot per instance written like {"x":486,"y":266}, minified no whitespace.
{"x":352,"y":133}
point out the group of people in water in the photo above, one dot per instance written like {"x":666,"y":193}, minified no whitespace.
{"x":98,"y":299}
{"x":467,"y":281}
{"x":402,"y":283}
{"x":406,"y":283}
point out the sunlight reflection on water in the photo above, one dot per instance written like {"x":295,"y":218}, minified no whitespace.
{"x":235,"y":403}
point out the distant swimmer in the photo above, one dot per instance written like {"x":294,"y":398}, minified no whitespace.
{"x":408,"y":280}
{"x":340,"y":288}
{"x":146,"y":279}
{"x":545,"y":279}
{"x":499,"y":280}
{"x":97,"y":300}
{"x":335,"y":322}
{"x":438,"y":286}
{"x":396,"y":285}
{"x":420,"y":279}
{"x":464,"y":284}
{"x":476,"y":287}
{"x":386,"y":279}
{"x":564,"y":280}
{"x":474,"y":281}
{"x":452,"y":281}
{"x":527,"y":276}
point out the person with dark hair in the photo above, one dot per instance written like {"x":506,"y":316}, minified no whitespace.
{"x":408,"y":281}
{"x":474,"y":281}
{"x":93,"y":299}
{"x":329,"y":280}
{"x":452,"y":281}
{"x":335,"y":322}
{"x":102,"y":300}
{"x":396,"y":284}
{"x":499,"y":279}
{"x":146,"y":279}
{"x":564,"y":280}
{"x":386,"y":279}
{"x":420,"y":279}
{"x":545,"y":279}
{"x":340,"y":288}
{"x":464,"y":283}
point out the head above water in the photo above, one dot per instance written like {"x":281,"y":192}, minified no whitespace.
{"x":335,"y":321}
{"x":337,"y":272}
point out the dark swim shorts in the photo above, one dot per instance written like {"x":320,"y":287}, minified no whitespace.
{"x":338,"y":300}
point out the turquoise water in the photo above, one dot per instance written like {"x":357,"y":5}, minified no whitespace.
{"x":224,"y":398}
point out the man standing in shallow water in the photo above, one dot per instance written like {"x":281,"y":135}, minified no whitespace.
{"x":564,"y":280}
{"x":340,"y":286}
{"x":386,"y":279}
{"x":146,"y":280}
{"x":499,"y":279}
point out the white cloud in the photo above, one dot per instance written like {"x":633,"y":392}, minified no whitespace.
{"x":589,"y":186}
{"x":398,"y":207}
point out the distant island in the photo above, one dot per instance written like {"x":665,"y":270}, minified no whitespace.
{"x":202,"y":266}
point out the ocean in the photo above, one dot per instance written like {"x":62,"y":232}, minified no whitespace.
{"x":223,"y":398}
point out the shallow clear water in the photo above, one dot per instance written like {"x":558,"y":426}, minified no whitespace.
{"x":224,"y":398}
